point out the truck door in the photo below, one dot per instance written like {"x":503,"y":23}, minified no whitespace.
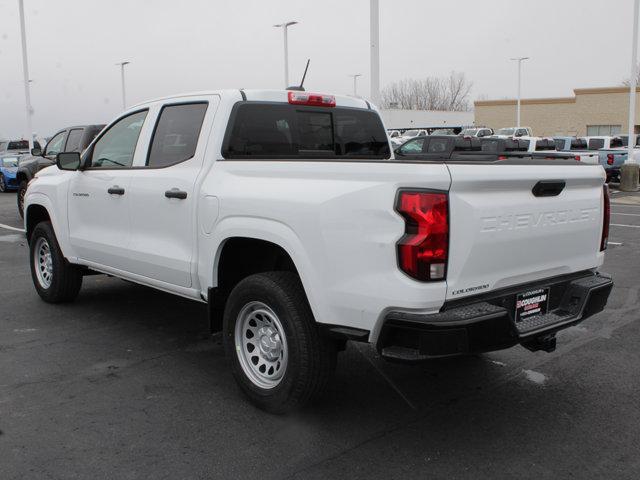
{"x":99,"y":196}
{"x":164,"y":195}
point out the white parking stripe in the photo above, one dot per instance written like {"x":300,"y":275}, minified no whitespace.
{"x":2,"y":225}
{"x":621,"y":225}
{"x":629,"y":214}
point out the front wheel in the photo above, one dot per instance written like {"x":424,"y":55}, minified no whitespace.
{"x":278,"y":356}
{"x":22,"y":190}
{"x":55,"y":279}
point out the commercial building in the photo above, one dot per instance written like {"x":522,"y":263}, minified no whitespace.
{"x":591,"y":111}
{"x":403,"y":119}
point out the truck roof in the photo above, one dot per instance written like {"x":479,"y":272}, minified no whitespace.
{"x":263,"y":96}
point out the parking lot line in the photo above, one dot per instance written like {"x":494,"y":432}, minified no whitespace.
{"x":2,"y":225}
{"x":622,"y":225}
{"x":629,"y":214}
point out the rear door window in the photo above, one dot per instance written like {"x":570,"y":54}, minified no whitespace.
{"x":175,"y":137}
{"x":596,"y":143}
{"x":438,"y":145}
{"x":73,"y":141}
{"x":264,"y":130}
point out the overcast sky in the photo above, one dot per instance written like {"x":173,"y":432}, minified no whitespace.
{"x":185,"y":45}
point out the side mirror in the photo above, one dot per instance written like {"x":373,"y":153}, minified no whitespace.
{"x":68,"y":161}
{"x":398,"y":151}
{"x":36,"y":152}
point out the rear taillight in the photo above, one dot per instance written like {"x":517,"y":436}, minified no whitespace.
{"x":606,"y":218}
{"x":577,"y":158}
{"x":312,"y":99}
{"x":502,"y":157}
{"x":423,"y":250}
{"x":609,"y":158}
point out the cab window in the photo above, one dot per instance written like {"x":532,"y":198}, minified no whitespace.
{"x":412,"y":147}
{"x":55,"y":145}
{"x":176,"y":134}
{"x":73,"y":142}
{"x":115,"y":149}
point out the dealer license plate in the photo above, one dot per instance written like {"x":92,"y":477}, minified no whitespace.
{"x":531,"y":303}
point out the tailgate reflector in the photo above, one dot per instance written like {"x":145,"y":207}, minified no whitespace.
{"x":423,"y":250}
{"x":606,"y":218}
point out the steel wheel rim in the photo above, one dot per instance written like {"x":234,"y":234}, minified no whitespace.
{"x":261,"y":345}
{"x":43,"y":262}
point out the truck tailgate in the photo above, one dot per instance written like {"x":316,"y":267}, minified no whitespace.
{"x":502,"y":234}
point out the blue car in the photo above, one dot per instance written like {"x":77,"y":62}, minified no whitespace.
{"x":8,"y":170}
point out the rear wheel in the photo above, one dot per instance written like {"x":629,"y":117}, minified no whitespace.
{"x":278,"y":356}
{"x":3,"y":184}
{"x":55,"y":279}
{"x":22,"y":189}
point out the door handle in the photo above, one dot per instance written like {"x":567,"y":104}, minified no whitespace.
{"x":548,"y":188}
{"x":115,"y":190}
{"x":175,"y":193}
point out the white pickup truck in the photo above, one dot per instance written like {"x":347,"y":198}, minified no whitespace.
{"x":287,"y":213}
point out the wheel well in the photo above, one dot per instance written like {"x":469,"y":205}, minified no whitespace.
{"x":241,"y":257}
{"x":34,"y":215}
{"x":21,"y":176}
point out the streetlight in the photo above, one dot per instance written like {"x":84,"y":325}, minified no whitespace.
{"x":25,"y":71}
{"x":629,"y":172}
{"x":374,"y":43}
{"x":520,"y":60}
{"x":355,"y":83}
{"x":284,"y":27}
{"x":124,"y":96}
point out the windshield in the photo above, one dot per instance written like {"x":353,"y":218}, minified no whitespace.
{"x":9,"y":162}
{"x":19,"y":145}
{"x":507,"y":131}
{"x":469,"y":131}
{"x":410,"y":133}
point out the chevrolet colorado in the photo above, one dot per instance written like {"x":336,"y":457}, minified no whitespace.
{"x":287,"y":213}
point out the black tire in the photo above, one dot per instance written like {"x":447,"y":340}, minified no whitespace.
{"x":65,"y":279}
{"x":22,"y":189}
{"x":311,"y":358}
{"x":3,"y":184}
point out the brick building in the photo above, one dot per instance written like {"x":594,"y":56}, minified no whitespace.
{"x":591,"y":111}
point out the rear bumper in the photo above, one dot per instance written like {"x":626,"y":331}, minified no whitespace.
{"x":486,"y":323}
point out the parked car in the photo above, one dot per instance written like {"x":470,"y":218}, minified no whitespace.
{"x":514,"y":132}
{"x":394,"y":134}
{"x":549,"y":147}
{"x":8,"y":169}
{"x":579,"y":147}
{"x":15,"y":146}
{"x":604,"y":142}
{"x":70,"y":139}
{"x":285,"y":212}
{"x":476,"y":132}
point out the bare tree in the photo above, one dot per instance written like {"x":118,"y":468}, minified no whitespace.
{"x":627,"y":82}
{"x":431,"y":93}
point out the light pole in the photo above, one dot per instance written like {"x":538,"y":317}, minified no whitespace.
{"x":374,"y":42}
{"x":520,"y":60}
{"x":355,"y":83}
{"x":285,"y":26}
{"x":630,"y":171}
{"x":25,"y":71}
{"x":124,"y":95}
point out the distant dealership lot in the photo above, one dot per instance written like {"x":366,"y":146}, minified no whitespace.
{"x":591,"y":111}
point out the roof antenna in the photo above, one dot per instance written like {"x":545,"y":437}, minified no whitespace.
{"x":300,"y":88}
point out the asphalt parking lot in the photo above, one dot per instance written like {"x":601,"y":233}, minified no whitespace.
{"x":125,"y":383}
